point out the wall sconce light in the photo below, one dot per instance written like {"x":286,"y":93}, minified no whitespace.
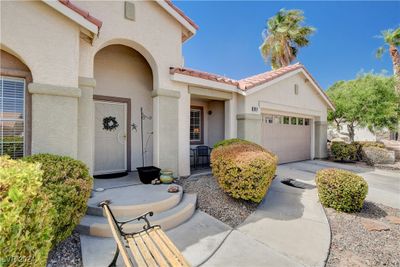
{"x":209,"y":112}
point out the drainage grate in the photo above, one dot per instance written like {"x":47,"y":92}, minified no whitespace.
{"x":297,"y":184}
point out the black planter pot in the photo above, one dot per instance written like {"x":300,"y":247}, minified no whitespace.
{"x":148,"y":173}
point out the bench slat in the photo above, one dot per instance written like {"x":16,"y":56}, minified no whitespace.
{"x":171,"y":258}
{"x":172,"y":247}
{"x":145,"y":252}
{"x":117,"y":237}
{"x":154,"y":250}
{"x":135,"y":252}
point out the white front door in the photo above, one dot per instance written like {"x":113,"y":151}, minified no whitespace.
{"x":110,"y":142}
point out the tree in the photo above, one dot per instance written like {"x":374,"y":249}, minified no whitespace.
{"x":392,"y":40}
{"x":369,"y":101}
{"x":283,"y":37}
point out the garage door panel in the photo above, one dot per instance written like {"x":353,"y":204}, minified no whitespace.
{"x":288,"y":142}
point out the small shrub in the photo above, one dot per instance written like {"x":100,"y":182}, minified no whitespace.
{"x":243,"y":170}
{"x":25,"y":215}
{"x":361,"y":144}
{"x":343,"y":152}
{"x":341,"y":190}
{"x":227,"y":142}
{"x":68,"y":185}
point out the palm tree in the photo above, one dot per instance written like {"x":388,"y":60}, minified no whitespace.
{"x":392,"y":40}
{"x":283,"y":37}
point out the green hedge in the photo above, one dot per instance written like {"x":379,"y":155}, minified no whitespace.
{"x":341,"y":190}
{"x":68,"y":185}
{"x":25,"y":215}
{"x":243,"y":170}
{"x":342,"y":151}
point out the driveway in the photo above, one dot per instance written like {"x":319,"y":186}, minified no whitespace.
{"x":289,"y":227}
{"x":383,"y":186}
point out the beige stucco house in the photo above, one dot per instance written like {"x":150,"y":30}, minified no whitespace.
{"x":74,"y":77}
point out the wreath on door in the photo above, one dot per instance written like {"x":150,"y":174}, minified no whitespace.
{"x":110,"y":123}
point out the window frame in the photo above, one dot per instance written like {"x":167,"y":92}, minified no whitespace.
{"x":201,"y":141}
{"x":26,"y":104}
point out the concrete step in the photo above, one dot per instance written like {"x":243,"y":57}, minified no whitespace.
{"x":132,"y":201}
{"x":168,"y":219}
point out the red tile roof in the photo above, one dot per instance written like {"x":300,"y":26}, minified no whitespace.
{"x":243,"y":84}
{"x":261,"y":78}
{"x":250,"y":82}
{"x":84,"y":13}
{"x":180,"y":12}
{"x":204,"y":75}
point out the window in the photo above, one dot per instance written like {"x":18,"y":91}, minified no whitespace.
{"x":300,"y":121}
{"x":293,"y":120}
{"x":12,"y":117}
{"x":285,"y":120}
{"x":196,"y":125}
{"x":306,"y":121}
{"x":296,"y":89}
{"x":269,"y":119}
{"x":278,"y":119}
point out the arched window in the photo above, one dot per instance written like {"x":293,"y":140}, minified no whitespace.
{"x":15,"y":122}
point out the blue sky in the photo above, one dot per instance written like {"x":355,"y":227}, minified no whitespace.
{"x":345,"y":42}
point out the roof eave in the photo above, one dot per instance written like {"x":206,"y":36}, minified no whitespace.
{"x":91,"y":29}
{"x":192,"y":29}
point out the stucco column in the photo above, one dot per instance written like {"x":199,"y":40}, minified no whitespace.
{"x":321,"y":135}
{"x":184,"y":134}
{"x":249,"y":127}
{"x":86,"y":122}
{"x":230,"y":117}
{"x":54,"y":119}
{"x":166,"y":129}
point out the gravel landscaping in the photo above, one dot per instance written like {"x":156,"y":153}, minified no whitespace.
{"x":370,"y":237}
{"x":212,"y":200}
{"x":67,"y":253}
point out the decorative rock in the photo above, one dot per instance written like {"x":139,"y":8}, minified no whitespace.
{"x":377,"y":155}
{"x":373,"y":225}
{"x":173,"y":189}
{"x":393,"y":219}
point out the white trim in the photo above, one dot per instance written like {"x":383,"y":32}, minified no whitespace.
{"x":200,"y":82}
{"x":73,"y":16}
{"x":2,"y":78}
{"x":177,"y":16}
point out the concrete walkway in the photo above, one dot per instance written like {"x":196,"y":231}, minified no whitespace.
{"x":289,"y":228}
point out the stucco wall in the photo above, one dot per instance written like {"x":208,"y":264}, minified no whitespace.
{"x":120,"y":71}
{"x":281,"y":96}
{"x":154,"y":33}
{"x":47,"y":42}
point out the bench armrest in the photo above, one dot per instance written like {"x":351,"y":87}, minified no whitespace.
{"x":105,"y":205}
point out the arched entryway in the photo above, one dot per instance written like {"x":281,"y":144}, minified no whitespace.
{"x":15,"y":106}
{"x":124,"y":84}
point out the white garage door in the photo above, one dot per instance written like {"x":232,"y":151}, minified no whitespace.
{"x":288,"y":137}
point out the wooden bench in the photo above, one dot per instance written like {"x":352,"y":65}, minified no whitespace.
{"x":149,"y":247}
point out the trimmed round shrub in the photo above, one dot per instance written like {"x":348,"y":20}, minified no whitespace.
{"x":341,"y":190}
{"x":227,"y":142}
{"x":244,"y":170}
{"x":68,"y":185}
{"x":26,"y":215}
{"x":342,"y":151}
